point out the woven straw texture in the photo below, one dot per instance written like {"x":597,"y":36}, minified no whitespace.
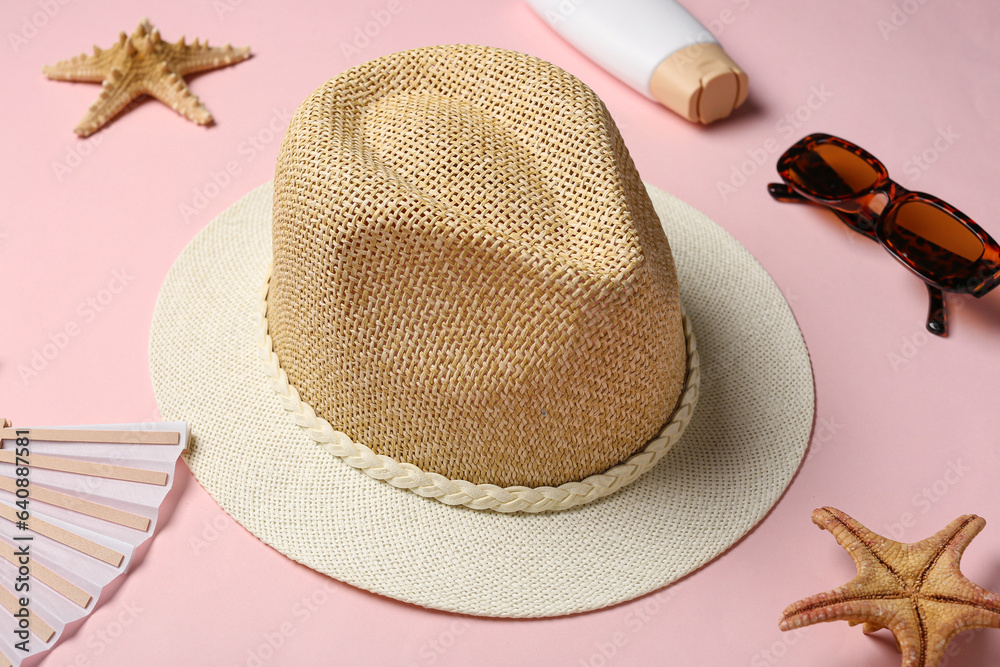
{"x":743,"y":445}
{"x":468,"y":274}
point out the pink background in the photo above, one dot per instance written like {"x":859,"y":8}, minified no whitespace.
{"x":906,"y":424}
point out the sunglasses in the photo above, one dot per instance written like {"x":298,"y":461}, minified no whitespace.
{"x":933,"y":239}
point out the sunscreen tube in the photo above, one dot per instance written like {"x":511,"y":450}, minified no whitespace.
{"x":656,"y":47}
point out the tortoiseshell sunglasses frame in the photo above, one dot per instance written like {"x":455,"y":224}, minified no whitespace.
{"x":859,"y":212}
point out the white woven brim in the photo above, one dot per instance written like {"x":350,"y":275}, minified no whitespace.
{"x":749,"y":432}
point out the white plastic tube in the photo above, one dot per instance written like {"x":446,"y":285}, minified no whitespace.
{"x":657,"y":48}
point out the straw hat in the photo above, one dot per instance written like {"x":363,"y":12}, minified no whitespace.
{"x":458,"y":285}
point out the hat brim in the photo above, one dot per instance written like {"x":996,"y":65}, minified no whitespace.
{"x":749,"y":432}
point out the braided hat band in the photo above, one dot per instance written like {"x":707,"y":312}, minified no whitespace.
{"x":460,"y":492}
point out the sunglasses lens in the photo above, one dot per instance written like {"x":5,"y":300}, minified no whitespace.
{"x":830,"y":171}
{"x":931,"y":239}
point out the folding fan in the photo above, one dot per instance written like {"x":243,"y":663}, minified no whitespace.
{"x":75,"y":503}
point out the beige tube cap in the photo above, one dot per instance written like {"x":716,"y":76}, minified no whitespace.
{"x":700,"y":82}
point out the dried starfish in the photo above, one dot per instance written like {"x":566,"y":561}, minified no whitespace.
{"x":915,"y":590}
{"x":144,"y":64}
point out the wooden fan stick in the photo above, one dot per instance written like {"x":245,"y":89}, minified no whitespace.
{"x":88,"y":468}
{"x":81,"y":544}
{"x":43,"y":574}
{"x":90,"y":508}
{"x":117,"y":501}
{"x":42,"y":629}
{"x":87,"y":435}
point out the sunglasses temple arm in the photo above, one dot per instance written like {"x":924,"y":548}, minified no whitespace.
{"x":988,"y":285}
{"x":782,"y":192}
{"x":937,"y":314}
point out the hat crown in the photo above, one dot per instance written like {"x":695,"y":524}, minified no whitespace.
{"x":477,"y":166}
{"x":468,"y":273}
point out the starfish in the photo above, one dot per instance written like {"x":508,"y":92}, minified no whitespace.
{"x":915,"y":590}
{"x":144,"y":64}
